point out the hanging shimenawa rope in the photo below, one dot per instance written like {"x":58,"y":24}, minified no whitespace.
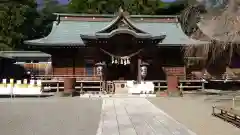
{"x":131,"y":55}
{"x":123,"y":59}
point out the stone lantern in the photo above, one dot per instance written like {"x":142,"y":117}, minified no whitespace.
{"x":143,"y":69}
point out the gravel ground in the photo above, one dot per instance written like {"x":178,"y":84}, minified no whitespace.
{"x":194,"y":111}
{"x":51,"y":116}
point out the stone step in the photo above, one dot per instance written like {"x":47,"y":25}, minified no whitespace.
{"x":116,"y":95}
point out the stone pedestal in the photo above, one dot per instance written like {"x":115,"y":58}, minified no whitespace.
{"x":69,"y":86}
{"x":172,"y":86}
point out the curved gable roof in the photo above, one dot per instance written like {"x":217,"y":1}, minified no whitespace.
{"x":121,"y":17}
{"x":67,"y":32}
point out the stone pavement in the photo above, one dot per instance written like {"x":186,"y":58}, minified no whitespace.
{"x":194,"y":111}
{"x":136,"y":116}
{"x":49,"y":116}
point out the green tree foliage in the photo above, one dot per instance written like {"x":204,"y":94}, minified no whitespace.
{"x":150,"y":7}
{"x":94,"y":6}
{"x":173,"y":8}
{"x":16,"y":20}
{"x":46,"y":16}
{"x":143,"y":6}
{"x":20,"y":20}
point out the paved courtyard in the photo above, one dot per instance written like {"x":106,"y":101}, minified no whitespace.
{"x":110,"y":116}
{"x":137,"y":116}
{"x":194,"y":111}
{"x":51,"y":116}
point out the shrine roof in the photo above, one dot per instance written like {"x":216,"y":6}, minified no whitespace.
{"x":14,"y":54}
{"x":4,"y":56}
{"x":67,"y":29}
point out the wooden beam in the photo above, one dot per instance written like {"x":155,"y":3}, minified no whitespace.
{"x":139,"y":78}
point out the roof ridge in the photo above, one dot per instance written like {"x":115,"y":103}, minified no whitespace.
{"x":113,"y":15}
{"x":21,"y":51}
{"x":121,"y":17}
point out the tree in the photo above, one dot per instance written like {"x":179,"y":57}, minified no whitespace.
{"x":111,"y":6}
{"x":46,"y":16}
{"x":16,"y":17}
{"x":20,"y":20}
{"x":148,"y":7}
{"x":217,"y":23}
{"x":94,"y":6}
{"x":172,"y":8}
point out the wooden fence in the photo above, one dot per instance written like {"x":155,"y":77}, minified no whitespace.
{"x":183,"y":84}
{"x":99,"y":85}
{"x":236,"y":102}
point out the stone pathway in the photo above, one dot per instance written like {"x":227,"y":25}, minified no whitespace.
{"x":137,"y":116}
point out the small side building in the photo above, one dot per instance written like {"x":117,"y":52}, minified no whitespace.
{"x":8,"y":69}
{"x":17,"y":64}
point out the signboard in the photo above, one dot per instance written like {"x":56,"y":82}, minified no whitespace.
{"x":174,"y":71}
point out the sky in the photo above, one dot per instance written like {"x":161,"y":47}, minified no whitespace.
{"x":63,"y":1}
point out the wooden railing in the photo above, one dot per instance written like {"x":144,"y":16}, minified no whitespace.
{"x":183,"y":84}
{"x":81,"y":85}
{"x":236,"y":102}
{"x":97,"y":85}
{"x":84,"y":82}
{"x":55,"y":83}
{"x":160,"y":85}
{"x":227,"y":114}
{"x":61,"y":77}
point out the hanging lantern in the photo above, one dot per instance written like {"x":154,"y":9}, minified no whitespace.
{"x":143,"y":68}
{"x":99,"y":68}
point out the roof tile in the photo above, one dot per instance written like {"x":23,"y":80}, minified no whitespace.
{"x":68,"y":32}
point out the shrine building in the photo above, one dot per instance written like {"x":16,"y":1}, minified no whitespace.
{"x":126,"y":47}
{"x":121,"y":42}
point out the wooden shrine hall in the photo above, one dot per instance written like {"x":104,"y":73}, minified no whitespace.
{"x":124,"y":46}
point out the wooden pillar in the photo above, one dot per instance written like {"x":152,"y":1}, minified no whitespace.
{"x":69,"y":86}
{"x":70,"y":82}
{"x":139,"y":78}
{"x":172,"y":84}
